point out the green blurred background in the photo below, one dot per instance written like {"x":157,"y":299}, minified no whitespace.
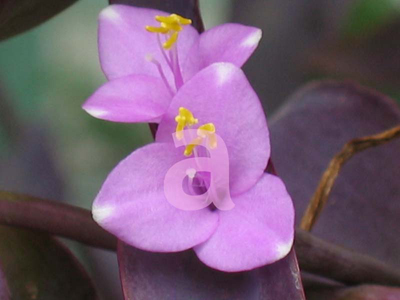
{"x":48,"y":72}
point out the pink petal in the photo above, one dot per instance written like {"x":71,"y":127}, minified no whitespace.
{"x":131,"y":204}
{"x":229,"y":42}
{"x":259,"y":230}
{"x":124,"y":42}
{"x":222,"y":95}
{"x":135,"y":98}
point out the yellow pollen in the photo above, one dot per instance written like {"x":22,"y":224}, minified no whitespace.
{"x":183,"y":119}
{"x":171,"y":26}
{"x":208,"y":131}
{"x":205,"y":131}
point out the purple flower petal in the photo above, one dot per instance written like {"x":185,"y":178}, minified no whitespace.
{"x":135,"y":98}
{"x":124,"y":42}
{"x":258,"y":231}
{"x":229,"y":42}
{"x":131,"y":204}
{"x":222,"y":95}
{"x":232,"y":43}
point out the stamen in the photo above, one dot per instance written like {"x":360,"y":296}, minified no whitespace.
{"x":151,"y":59}
{"x":184,"y":118}
{"x":170,"y":25}
{"x":157,"y":29}
{"x":208,"y":130}
{"x":163,"y":52}
{"x":189,"y":148}
{"x":205,"y":131}
{"x":174,"y":18}
{"x":171,"y":41}
{"x":176,"y":68}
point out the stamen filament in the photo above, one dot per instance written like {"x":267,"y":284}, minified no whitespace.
{"x":163,"y":52}
{"x":177,"y":70}
{"x":159,"y":68}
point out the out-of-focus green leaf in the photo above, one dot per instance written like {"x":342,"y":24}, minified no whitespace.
{"x":37,"y":266}
{"x":17,"y":16}
{"x":367,"y":16}
{"x":370,"y":60}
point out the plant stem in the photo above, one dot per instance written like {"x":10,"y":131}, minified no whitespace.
{"x":324,"y":188}
{"x":319,"y":257}
{"x":54,"y":218}
{"x":314,"y":255}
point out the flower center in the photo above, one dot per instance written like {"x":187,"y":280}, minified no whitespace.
{"x":170,"y":26}
{"x":206,"y":132}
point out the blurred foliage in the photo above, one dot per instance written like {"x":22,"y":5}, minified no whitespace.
{"x":48,"y":73}
{"x":32,"y":263}
{"x":366,"y":17}
{"x":16,"y":16}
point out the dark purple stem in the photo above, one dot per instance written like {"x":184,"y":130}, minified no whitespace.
{"x":54,"y":218}
{"x":314,"y":255}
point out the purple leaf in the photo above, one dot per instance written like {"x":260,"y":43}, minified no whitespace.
{"x":17,"y":16}
{"x":147,"y":275}
{"x":29,"y":168}
{"x":4,"y":290}
{"x":39,"y":267}
{"x":364,"y":208}
{"x":363,"y":292}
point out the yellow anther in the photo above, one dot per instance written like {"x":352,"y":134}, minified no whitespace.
{"x":182,"y":20}
{"x":189,"y":148}
{"x":157,"y":29}
{"x":171,"y":41}
{"x":208,"y":130}
{"x":170,"y":25}
{"x":183,"y":119}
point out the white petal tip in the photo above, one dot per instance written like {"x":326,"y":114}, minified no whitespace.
{"x":283,"y":249}
{"x":253,"y":39}
{"x":101,"y":213}
{"x":224,"y":72}
{"x":110,"y":13}
{"x":95,"y":112}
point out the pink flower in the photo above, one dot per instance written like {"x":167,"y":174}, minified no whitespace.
{"x":258,"y":230}
{"x":145,"y":68}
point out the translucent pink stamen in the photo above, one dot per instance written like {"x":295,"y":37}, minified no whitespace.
{"x":177,"y":69}
{"x":159,"y":68}
{"x":173,"y":62}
